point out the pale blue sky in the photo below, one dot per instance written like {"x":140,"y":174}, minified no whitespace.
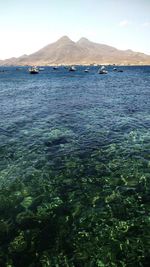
{"x":28,"y":25}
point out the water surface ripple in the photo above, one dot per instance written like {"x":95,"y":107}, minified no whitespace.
{"x":74,"y":167}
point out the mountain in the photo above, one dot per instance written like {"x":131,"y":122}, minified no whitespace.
{"x":66,"y":52}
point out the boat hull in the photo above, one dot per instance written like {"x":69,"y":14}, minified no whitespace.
{"x":34,"y":72}
{"x":103,"y":72}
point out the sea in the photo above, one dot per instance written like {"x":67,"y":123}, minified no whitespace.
{"x":85,"y":136}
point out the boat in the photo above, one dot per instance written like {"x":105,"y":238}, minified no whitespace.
{"x":102,"y":70}
{"x":34,"y":70}
{"x":55,"y":68}
{"x":86,"y":70}
{"x":120,"y":70}
{"x":41,"y":68}
{"x":72,"y":68}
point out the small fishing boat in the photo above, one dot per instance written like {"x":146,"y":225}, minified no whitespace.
{"x":87,"y":69}
{"x":34,"y":70}
{"x":72,"y":68}
{"x":55,"y":68}
{"x":102,"y":70}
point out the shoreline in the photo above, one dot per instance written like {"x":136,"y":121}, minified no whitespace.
{"x":84,"y":65}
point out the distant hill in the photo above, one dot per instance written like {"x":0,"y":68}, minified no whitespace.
{"x":66,"y":52}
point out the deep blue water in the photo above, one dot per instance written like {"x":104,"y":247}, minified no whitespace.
{"x":58,"y":112}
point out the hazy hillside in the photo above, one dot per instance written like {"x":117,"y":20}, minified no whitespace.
{"x":65,"y":51}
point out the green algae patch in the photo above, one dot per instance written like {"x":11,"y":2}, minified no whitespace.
{"x":81,"y":209}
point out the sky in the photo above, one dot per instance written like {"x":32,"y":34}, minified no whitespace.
{"x":28,"y":25}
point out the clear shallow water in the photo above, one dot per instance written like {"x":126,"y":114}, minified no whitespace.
{"x":87,"y":137}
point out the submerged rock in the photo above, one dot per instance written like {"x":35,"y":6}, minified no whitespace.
{"x":57,"y":141}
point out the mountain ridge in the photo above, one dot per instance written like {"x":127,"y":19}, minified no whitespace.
{"x":83,"y":52}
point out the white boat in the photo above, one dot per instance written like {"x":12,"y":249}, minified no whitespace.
{"x":34,"y":70}
{"x":86,"y":70}
{"x":72,"y":68}
{"x":102,"y":70}
{"x":41,"y":68}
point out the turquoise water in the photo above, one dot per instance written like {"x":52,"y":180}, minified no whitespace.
{"x":74,"y":167}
